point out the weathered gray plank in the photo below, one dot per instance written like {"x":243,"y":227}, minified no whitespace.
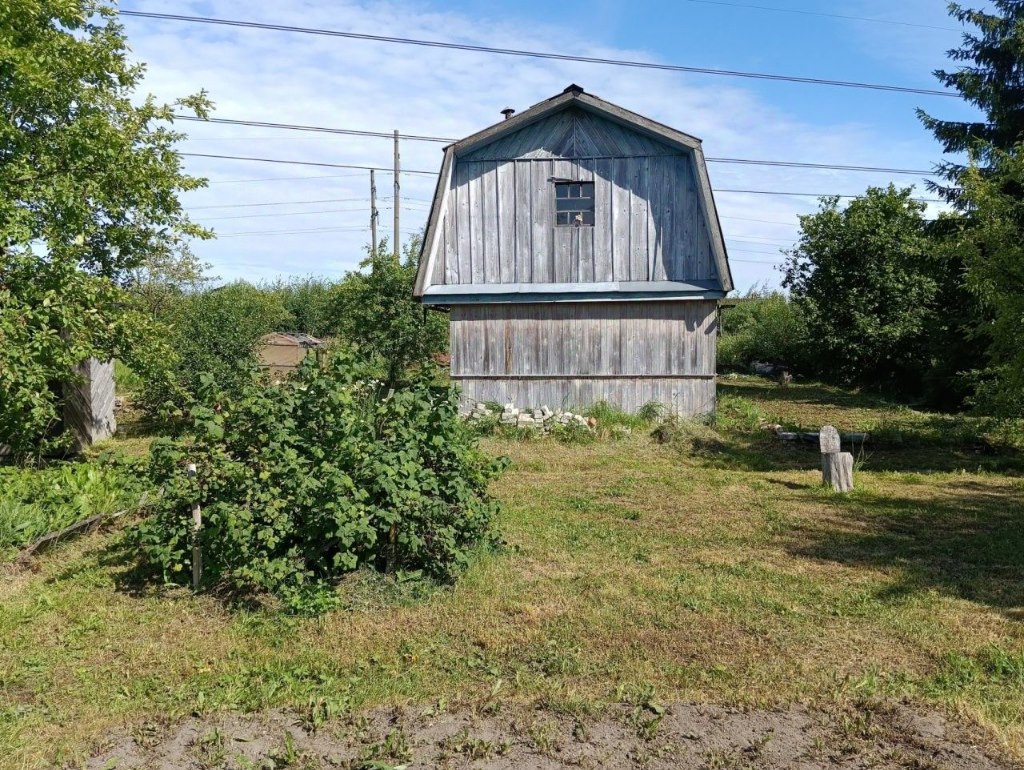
{"x":603,"y":220}
{"x":464,"y":213}
{"x":638,"y":219}
{"x":506,"y":226}
{"x":451,"y":241}
{"x":523,"y":268}
{"x":542,"y":214}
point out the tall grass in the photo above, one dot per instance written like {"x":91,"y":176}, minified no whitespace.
{"x":35,"y":501}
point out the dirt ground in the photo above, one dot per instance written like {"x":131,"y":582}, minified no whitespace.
{"x":652,"y":737}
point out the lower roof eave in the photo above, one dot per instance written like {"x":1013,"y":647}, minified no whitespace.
{"x":612,"y":291}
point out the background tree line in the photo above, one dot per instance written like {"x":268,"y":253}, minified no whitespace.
{"x":884,"y":298}
{"x":95,"y":258}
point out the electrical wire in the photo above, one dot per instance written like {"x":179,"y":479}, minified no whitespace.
{"x":424,"y":138}
{"x":537,"y":54}
{"x":822,"y":13}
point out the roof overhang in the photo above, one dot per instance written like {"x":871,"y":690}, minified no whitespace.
{"x":612,"y":291}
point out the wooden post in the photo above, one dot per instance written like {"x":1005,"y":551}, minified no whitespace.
{"x":836,"y":466}
{"x":392,"y":559}
{"x":398,"y":190}
{"x":197,"y":525}
{"x":373,"y":213}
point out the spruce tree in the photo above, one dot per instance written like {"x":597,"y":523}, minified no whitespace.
{"x":992,"y":79}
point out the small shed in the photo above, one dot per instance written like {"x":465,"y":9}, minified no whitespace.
{"x":579,"y":252}
{"x":282,"y":352}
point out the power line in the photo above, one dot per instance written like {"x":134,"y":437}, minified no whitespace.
{"x":276,"y":214}
{"x":763,"y":221}
{"x":284,"y":178}
{"x":434,"y":173}
{"x":423,"y":138}
{"x":822,"y":13}
{"x":362,"y":199}
{"x":811,"y":195}
{"x":314,"y":129}
{"x":300,"y":162}
{"x":824,"y":166}
{"x":294,"y":232}
{"x":538,"y":54}
{"x":275,"y":203}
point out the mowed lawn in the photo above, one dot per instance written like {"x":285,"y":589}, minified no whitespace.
{"x":631,"y":570}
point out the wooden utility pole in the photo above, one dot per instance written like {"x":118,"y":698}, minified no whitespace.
{"x":373,"y":213}
{"x":398,"y":189}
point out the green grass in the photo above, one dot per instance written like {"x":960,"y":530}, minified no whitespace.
{"x":36,"y":501}
{"x":632,"y":572}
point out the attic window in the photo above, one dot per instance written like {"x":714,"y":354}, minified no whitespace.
{"x":574,"y":203}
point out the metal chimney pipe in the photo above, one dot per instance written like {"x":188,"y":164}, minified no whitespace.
{"x":508,"y":112}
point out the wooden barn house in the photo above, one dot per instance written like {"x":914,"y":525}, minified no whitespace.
{"x":579,"y":252}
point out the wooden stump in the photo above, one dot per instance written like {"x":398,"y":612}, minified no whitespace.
{"x":837,"y":471}
{"x":836,"y":466}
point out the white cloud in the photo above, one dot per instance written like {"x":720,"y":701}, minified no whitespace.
{"x":291,"y":78}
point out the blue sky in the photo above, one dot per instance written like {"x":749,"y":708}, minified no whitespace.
{"x":282,"y":77}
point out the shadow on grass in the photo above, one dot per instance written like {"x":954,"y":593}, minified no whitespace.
{"x":764,"y":453}
{"x":968,"y":542}
{"x":819,"y":395}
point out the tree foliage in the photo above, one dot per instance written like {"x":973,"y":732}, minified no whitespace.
{"x":764,"y":326}
{"x":377,"y":312}
{"x":214,"y":333}
{"x":302,"y":482}
{"x":993,"y":249}
{"x":862,"y":277}
{"x":88,"y":191}
{"x":992,"y":80}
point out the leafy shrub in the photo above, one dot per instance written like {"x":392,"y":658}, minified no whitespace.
{"x":310,"y":304}
{"x":688,"y":435}
{"x":376,"y":311}
{"x":763,"y":326}
{"x":302,"y":482}
{"x":215,"y":332}
{"x":37,"y":501}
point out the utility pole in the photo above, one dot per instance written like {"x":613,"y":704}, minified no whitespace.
{"x":373,"y":213}
{"x":398,"y":189}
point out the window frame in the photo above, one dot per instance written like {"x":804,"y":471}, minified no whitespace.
{"x":592,"y":198}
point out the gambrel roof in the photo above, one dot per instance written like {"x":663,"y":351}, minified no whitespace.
{"x":572,"y":125}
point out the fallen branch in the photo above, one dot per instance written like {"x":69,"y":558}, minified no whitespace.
{"x":813,"y":438}
{"x":85,"y":525}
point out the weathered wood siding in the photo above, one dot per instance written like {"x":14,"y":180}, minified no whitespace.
{"x":573,"y":354}
{"x":499,"y":221}
{"x":89,"y":404}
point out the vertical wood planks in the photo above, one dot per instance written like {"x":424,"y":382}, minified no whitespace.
{"x":542,"y":215}
{"x":620,"y":218}
{"x":521,"y":218}
{"x":489,"y":223}
{"x":506,"y":224}
{"x":638,"y":219}
{"x":465,"y":255}
{"x":603,"y":213}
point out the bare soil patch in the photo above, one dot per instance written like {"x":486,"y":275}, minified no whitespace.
{"x":652,"y":737}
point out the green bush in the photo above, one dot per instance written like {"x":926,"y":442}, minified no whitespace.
{"x":310,"y":303}
{"x":215,"y":332}
{"x":763,"y":326}
{"x":305,"y":481}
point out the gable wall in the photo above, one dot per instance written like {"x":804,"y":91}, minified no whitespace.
{"x":499,"y":221}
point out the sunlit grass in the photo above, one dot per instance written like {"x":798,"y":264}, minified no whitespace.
{"x":726,"y":575}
